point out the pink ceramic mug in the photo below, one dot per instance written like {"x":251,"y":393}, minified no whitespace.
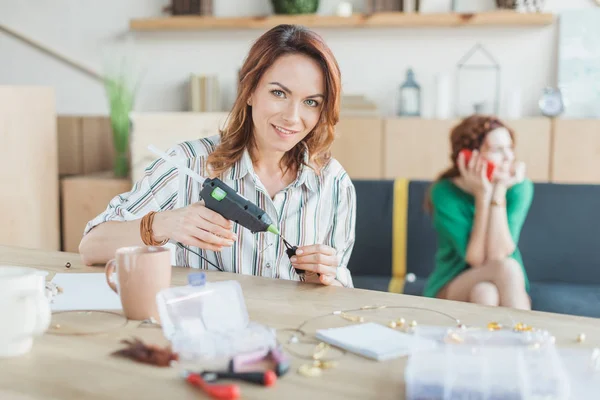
{"x":141,"y":273}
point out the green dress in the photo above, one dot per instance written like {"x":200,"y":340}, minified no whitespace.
{"x":453,"y":214}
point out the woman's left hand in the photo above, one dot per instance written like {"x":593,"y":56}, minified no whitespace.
{"x":317,"y":259}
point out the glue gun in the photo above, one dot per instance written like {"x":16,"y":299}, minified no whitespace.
{"x":225,"y":201}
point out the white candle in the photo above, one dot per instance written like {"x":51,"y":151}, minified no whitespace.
{"x":514,"y":106}
{"x":442,"y":100}
{"x":344,"y":9}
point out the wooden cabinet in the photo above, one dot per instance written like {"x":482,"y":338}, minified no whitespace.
{"x":576,"y":151}
{"x":29,"y":210}
{"x":359,"y":147}
{"x":83,"y":197}
{"x":164,"y":130}
{"x":84,"y":144}
{"x":533,"y":141}
{"x":418,"y":148}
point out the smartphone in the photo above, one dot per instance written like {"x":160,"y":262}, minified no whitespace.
{"x":490,"y":165}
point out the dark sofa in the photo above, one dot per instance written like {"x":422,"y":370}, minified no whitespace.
{"x":560,"y":243}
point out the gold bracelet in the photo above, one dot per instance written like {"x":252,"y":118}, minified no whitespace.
{"x":146,"y":230}
{"x":497,"y":203}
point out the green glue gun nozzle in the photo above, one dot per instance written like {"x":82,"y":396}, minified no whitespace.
{"x":273,"y":229}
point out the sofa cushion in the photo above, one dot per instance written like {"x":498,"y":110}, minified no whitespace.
{"x":561,"y":298}
{"x":558,"y":241}
{"x":566,"y":298}
{"x":372,"y":252}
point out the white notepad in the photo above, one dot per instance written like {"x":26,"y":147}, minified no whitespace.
{"x":374,"y":341}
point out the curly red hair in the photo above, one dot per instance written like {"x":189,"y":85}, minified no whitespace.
{"x":468,"y":134}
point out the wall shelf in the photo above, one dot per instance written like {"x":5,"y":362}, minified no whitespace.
{"x":377,"y":20}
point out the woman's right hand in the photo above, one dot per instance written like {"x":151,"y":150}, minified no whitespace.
{"x":473,"y":175}
{"x":194,"y":225}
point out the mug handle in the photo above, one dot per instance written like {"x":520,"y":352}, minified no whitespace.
{"x":109,"y":270}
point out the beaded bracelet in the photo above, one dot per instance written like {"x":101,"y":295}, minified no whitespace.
{"x":146,"y":230}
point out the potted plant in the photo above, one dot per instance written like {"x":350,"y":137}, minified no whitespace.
{"x":121,"y":98}
{"x":295,"y":6}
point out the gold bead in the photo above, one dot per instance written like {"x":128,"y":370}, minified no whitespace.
{"x":401,"y":322}
{"x":325,"y":364}
{"x":494,"y":326}
{"x":320,"y":351}
{"x":581,"y":338}
{"x":521,"y":327}
{"x":392,"y":324}
{"x":57,"y":326}
{"x":309,"y":371}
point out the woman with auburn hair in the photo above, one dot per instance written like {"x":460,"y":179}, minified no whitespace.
{"x":274,"y":151}
{"x":478,"y":212}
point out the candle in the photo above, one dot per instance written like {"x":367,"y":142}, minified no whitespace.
{"x":344,"y":9}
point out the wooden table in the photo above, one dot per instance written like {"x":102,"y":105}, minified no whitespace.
{"x":81,"y":367}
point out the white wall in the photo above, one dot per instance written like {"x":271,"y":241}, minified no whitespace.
{"x":373,"y":61}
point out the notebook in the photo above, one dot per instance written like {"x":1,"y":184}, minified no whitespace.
{"x":374,"y":341}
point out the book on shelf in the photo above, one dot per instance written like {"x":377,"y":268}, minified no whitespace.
{"x":204,"y":93}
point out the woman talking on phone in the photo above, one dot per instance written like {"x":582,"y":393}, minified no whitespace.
{"x":478,"y":208}
{"x":274,"y":151}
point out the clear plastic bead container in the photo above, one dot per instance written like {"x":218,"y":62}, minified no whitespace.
{"x":208,"y":320}
{"x":459,"y":371}
{"x":483,"y":336}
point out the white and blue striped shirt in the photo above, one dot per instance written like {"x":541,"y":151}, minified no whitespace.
{"x":314,"y":209}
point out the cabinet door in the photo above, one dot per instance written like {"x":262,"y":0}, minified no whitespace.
{"x":533,"y":144}
{"x":165,"y":130}
{"x":576,"y":151}
{"x":416,"y":148}
{"x":29,"y":210}
{"x":358,"y":146}
{"x":420,"y":148}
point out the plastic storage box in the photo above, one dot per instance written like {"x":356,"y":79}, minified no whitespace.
{"x":456,"y":372}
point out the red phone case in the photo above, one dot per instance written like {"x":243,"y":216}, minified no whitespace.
{"x":490,"y":165}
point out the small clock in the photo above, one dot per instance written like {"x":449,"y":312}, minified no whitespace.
{"x":551,"y":103}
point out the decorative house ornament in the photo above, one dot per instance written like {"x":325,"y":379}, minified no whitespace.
{"x":477,"y":83}
{"x":410,"y":96}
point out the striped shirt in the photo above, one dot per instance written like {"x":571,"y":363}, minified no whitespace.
{"x":314,"y":209}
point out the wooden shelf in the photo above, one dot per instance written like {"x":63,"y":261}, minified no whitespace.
{"x":378,"y":20}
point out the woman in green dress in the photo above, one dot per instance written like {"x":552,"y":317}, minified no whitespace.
{"x":478,"y":220}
